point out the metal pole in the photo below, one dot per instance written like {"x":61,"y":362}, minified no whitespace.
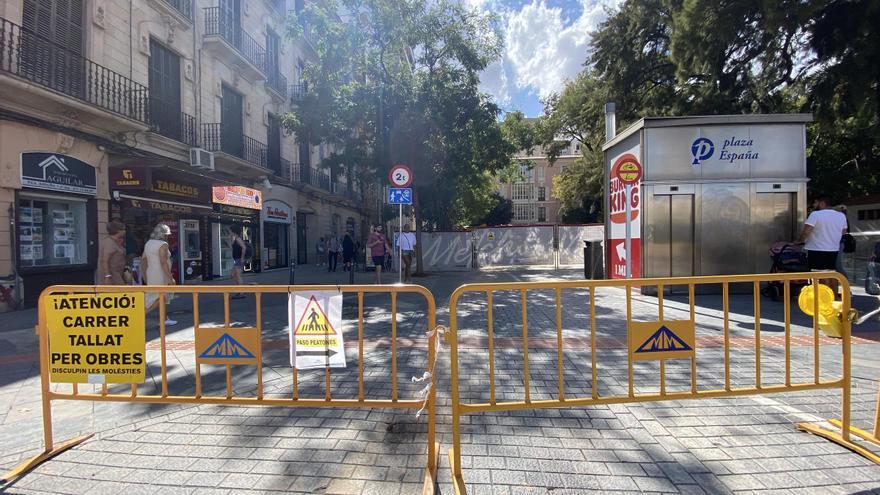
{"x":628,"y":244}
{"x":400,"y":247}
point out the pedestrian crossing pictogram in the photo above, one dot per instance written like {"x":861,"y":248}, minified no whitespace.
{"x":316,"y":330}
{"x":227,"y":347}
{"x":663,"y":340}
{"x":667,"y":339}
{"x":313,"y":321}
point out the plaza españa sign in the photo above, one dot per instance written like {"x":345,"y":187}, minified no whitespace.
{"x":96,"y":338}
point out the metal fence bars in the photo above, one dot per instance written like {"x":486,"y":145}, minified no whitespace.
{"x":653,"y":342}
{"x":238,"y":352}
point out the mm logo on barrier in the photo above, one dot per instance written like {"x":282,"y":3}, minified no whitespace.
{"x":96,"y":338}
{"x":668,"y":339}
{"x":228,"y":345}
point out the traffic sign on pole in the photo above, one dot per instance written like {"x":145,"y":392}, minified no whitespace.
{"x":400,"y":176}
{"x":400,"y":196}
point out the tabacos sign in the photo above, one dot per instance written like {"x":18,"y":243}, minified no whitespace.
{"x":733,"y":149}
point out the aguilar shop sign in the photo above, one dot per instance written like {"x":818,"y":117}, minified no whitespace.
{"x":617,"y":254}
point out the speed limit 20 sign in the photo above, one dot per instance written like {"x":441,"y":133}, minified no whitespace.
{"x":400,"y":176}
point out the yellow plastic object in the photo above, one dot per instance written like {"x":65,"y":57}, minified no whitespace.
{"x":830,"y":317}
{"x":826,"y":299}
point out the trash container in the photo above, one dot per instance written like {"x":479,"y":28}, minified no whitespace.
{"x":593,"y":268}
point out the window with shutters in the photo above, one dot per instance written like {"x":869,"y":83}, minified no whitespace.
{"x":164,"y":78}
{"x":274,"y":142}
{"x":52,"y":45}
{"x":542,"y":193}
{"x":542,"y":213}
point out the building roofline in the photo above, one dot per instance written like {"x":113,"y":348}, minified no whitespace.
{"x":651,"y":122}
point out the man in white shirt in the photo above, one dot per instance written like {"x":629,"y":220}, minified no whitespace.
{"x":822,"y":232}
{"x":407,"y":243}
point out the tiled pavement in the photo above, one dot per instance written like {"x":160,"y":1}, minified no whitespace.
{"x":744,"y":444}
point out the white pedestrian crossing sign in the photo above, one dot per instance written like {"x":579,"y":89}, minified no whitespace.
{"x":400,"y":196}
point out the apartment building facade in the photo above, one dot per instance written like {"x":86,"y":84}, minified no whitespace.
{"x":532,"y":193}
{"x":157,"y":111}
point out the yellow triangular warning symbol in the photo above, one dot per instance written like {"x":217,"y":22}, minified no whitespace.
{"x":313,"y":321}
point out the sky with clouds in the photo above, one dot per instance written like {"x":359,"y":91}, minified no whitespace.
{"x":545,"y":44}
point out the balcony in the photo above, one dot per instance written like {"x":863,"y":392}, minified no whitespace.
{"x":167,"y":120}
{"x":225,"y":38}
{"x":241,"y":153}
{"x":52,"y":67}
{"x":298,"y":92}
{"x":181,"y":10}
{"x":277,"y":83}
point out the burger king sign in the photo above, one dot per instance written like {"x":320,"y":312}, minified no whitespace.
{"x":624,"y":169}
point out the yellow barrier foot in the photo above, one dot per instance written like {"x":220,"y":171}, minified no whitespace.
{"x":457,"y":480}
{"x":430,"y":486}
{"x":838,"y":439}
{"x":35,"y":461}
{"x":864,"y":435}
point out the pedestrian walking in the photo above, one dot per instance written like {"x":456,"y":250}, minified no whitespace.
{"x":377,"y":243}
{"x":348,"y":250}
{"x":111,"y":256}
{"x":156,"y":267}
{"x":333,"y":249}
{"x":406,"y":242}
{"x":320,"y":250}
{"x":239,"y":253}
{"x":821,"y":235}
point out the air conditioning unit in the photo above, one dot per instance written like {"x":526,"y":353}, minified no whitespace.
{"x":201,"y":158}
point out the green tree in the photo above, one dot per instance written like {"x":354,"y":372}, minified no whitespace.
{"x":397,"y":82}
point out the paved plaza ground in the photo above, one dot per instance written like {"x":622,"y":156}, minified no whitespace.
{"x":744,"y":444}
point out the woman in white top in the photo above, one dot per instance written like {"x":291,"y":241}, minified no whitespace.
{"x":156,"y":266}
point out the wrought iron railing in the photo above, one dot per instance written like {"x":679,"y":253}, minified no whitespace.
{"x":227,"y":139}
{"x":185,"y":7}
{"x":167,"y":119}
{"x":287,"y":170}
{"x":225,"y":26}
{"x":298,"y":91}
{"x":276,"y":81}
{"x":42,"y":62}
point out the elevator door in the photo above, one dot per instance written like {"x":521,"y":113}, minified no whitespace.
{"x":773,"y":220}
{"x":672,"y":239}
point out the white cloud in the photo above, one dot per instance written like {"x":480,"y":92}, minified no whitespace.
{"x":543,"y":47}
{"x":493,"y":80}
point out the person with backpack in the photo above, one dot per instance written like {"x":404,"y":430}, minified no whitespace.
{"x":239,"y":254}
{"x":348,"y":250}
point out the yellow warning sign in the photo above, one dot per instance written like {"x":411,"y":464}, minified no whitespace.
{"x":96,"y":338}
{"x":228,"y":345}
{"x":313,"y":321}
{"x":315,"y":330}
{"x":667,"y":339}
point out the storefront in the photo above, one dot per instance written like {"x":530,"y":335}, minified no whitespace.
{"x":277,"y":217}
{"x":144,"y":197}
{"x":55,"y":222}
{"x":234,"y":206}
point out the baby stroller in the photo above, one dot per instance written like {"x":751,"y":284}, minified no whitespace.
{"x":788,"y":257}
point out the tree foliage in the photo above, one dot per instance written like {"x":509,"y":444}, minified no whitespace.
{"x":397,"y":82}
{"x":689,"y":57}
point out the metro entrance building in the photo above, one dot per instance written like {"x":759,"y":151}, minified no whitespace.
{"x":716,"y":192}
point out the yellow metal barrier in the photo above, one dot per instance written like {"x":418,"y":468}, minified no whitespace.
{"x":658,"y":341}
{"x":230,"y":398}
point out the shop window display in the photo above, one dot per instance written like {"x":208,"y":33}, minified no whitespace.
{"x":51,"y":232}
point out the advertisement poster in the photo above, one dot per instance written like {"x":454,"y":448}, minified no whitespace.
{"x":26,"y":234}
{"x":617,"y":220}
{"x":37,"y":252}
{"x":25,"y":214}
{"x":37,"y":234}
{"x":243,"y":197}
{"x":27,"y":253}
{"x":64,"y":251}
{"x":63,"y":234}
